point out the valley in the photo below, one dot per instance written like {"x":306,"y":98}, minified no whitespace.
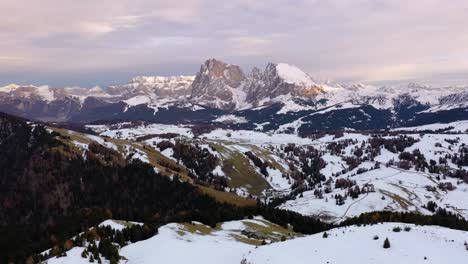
{"x":239,"y":164}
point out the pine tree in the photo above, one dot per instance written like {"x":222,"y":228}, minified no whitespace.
{"x":113,"y":260}
{"x":386,"y":243}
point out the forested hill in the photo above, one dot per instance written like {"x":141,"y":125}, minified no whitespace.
{"x":50,"y":191}
{"x":52,"y":188}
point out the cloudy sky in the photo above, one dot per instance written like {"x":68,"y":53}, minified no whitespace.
{"x":88,"y":42}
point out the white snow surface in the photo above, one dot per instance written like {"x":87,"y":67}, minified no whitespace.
{"x":458,"y":127}
{"x":136,"y":154}
{"x":138,"y":100}
{"x":294,"y":75}
{"x":132,"y":133}
{"x":73,"y":257}
{"x":352,"y":244}
{"x":276,"y":180}
{"x":116,"y":224}
{"x":292,"y":106}
{"x":169,"y":247}
{"x":255,"y":137}
{"x":403,"y":190}
{"x":422,"y":244}
{"x":231,"y":119}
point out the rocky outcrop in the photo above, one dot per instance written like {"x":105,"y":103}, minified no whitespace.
{"x":280,"y":80}
{"x":219,"y":85}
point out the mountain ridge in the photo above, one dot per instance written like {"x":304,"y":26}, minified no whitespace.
{"x":281,"y":94}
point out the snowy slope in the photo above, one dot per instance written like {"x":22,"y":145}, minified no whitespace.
{"x":457,"y":127}
{"x":402,"y":191}
{"x":196,"y":248}
{"x":393,"y":188}
{"x":293,"y":75}
{"x":180,"y":243}
{"x":228,"y":243}
{"x":422,"y":244}
{"x":137,"y":100}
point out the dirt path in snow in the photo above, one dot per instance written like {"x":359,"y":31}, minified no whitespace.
{"x":357,"y":201}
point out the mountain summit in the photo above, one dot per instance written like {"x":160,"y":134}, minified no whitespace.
{"x":281,"y":96}
{"x":219,"y":85}
{"x":225,"y":86}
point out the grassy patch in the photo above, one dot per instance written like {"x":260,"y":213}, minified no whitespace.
{"x":265,"y":155}
{"x":196,"y":228}
{"x":404,"y":203}
{"x":124,"y":223}
{"x":227,"y":197}
{"x":246,"y":240}
{"x":241,"y":173}
{"x":252,"y":232}
{"x":270,"y":230}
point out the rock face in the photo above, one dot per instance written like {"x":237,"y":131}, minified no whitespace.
{"x":225,"y":86}
{"x":219,"y":85}
{"x":280,"y":80}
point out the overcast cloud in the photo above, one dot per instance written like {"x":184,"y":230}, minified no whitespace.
{"x":86,"y":42}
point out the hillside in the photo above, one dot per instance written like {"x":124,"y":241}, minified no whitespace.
{"x":257,"y":241}
{"x":68,"y":190}
{"x":364,"y":244}
{"x":213,"y":174}
{"x":199,"y":243}
{"x":331,"y":176}
{"x":74,"y":181}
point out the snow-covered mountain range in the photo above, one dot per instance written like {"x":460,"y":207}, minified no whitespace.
{"x":280,"y":97}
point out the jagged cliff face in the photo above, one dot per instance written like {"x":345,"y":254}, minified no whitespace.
{"x":219,"y":85}
{"x":279,"y":80}
{"x":225,"y":86}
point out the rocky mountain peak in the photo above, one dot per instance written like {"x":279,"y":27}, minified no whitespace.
{"x":255,"y":74}
{"x":231,"y":74}
{"x":282,"y":79}
{"x":219,"y":85}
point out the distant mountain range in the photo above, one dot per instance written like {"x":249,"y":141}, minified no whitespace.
{"x":281,"y":97}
